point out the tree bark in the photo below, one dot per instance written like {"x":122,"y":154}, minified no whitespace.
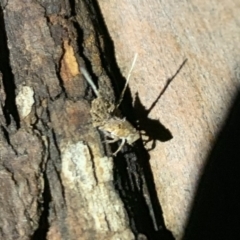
{"x":56,"y":177}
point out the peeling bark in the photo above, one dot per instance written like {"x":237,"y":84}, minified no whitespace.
{"x":58,"y":180}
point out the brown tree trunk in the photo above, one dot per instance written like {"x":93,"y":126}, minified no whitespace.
{"x":55,"y":179}
{"x":58,"y":179}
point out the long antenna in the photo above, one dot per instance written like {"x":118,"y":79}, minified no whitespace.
{"x":128,"y":78}
{"x":89,"y":80}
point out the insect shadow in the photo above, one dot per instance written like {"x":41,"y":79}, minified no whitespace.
{"x":153,"y":129}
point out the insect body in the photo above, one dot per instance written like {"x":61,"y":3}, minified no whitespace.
{"x":120,"y":129}
{"x":105,"y":119}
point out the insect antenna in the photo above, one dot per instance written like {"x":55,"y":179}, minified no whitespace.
{"x":89,"y":80}
{"x":127,"y":80}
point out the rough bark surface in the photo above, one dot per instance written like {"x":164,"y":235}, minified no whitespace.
{"x":195,"y":104}
{"x":56,"y":180}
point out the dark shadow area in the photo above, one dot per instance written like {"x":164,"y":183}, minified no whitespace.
{"x":107,"y":51}
{"x":9,"y":108}
{"x":133,"y":177}
{"x":216,"y":209}
{"x":153,"y":128}
{"x":135,"y":184}
{"x":43,"y":223}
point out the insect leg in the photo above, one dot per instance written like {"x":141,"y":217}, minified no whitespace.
{"x":120,"y":147}
{"x":112,"y":141}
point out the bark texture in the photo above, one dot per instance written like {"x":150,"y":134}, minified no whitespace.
{"x":56,"y":182}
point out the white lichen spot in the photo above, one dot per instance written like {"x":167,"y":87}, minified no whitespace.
{"x":77,"y":166}
{"x":89,"y":177}
{"x":25,"y":101}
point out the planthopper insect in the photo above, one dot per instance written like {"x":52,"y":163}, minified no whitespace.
{"x":104,"y":117}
